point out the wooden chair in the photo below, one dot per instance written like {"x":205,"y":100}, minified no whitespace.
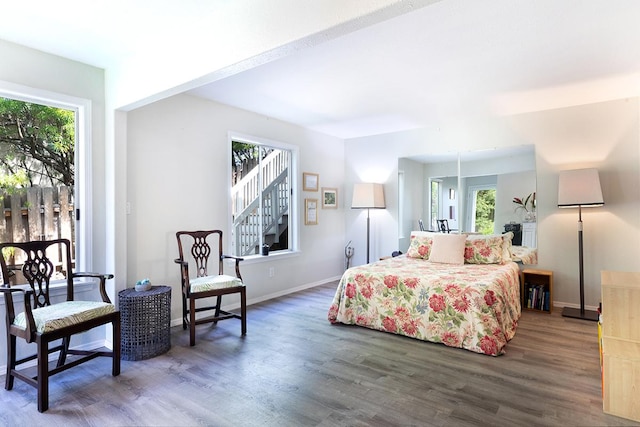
{"x":43,"y":321}
{"x":198,"y":284}
{"x":443,"y":225}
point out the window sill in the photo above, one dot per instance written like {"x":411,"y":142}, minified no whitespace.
{"x":255,"y":259}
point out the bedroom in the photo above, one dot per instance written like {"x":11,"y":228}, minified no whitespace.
{"x":598,"y":132}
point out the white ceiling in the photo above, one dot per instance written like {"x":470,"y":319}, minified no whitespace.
{"x":447,"y":61}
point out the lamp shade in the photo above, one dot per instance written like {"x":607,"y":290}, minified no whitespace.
{"x":368,"y":196}
{"x":580,"y":187}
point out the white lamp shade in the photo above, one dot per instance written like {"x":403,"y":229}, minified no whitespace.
{"x":580,"y":187}
{"x":368,"y":196}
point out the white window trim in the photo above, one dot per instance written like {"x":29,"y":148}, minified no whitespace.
{"x":82,"y":192}
{"x":432,"y":221}
{"x":471,"y":203}
{"x":294,"y":236}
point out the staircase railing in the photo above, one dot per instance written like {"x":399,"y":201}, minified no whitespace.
{"x":248,"y":226}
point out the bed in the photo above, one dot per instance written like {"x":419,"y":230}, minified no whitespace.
{"x":472,"y":304}
{"x":524,"y":255}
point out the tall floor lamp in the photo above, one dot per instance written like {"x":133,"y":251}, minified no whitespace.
{"x":580,"y":188}
{"x":368,"y":196}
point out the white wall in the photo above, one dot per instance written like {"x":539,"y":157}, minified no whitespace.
{"x":603,"y":135}
{"x":178,"y":159}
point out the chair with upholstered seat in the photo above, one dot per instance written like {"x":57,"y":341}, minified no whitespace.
{"x":443,"y":226}
{"x":43,"y":320}
{"x":198,"y":247}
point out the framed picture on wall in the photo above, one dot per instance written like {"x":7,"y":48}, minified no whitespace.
{"x":329,"y":198}
{"x":310,"y":181}
{"x":310,"y":211}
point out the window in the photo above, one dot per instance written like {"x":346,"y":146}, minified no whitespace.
{"x":263,"y":211}
{"x":436,"y":194}
{"x":44,"y":183}
{"x":483,"y":208}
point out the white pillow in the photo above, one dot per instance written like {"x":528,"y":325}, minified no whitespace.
{"x":448,"y":248}
{"x":507,"y":238}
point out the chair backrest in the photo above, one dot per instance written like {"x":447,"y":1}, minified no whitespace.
{"x":443,"y":225}
{"x":198,"y":246}
{"x":40,"y":262}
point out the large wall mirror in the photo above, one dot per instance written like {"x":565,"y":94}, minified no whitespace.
{"x":471,"y":192}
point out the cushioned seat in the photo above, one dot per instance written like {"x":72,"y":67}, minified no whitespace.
{"x":207,"y":283}
{"x":64,"y":314}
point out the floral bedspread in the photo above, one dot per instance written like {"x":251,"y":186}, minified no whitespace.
{"x":471,"y":306}
{"x":524,"y":254}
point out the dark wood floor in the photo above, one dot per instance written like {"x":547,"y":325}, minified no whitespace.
{"x":293,"y":368}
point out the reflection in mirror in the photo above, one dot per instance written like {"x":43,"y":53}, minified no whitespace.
{"x":475,"y":192}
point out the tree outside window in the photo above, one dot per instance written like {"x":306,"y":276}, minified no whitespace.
{"x":37,"y":170}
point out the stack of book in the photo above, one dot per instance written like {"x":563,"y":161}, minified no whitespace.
{"x":537,"y":297}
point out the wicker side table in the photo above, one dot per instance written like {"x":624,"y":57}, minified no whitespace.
{"x":146,"y":320}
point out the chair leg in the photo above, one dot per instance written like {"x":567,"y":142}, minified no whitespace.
{"x":218,"y":307}
{"x":115,"y":355}
{"x":243,"y":310}
{"x":192,"y":322}
{"x":184,"y":311}
{"x":43,"y":375}
{"x":62,"y":357}
{"x":11,"y":361}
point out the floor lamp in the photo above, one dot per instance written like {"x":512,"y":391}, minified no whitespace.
{"x":368,"y":196}
{"x":577,"y":189}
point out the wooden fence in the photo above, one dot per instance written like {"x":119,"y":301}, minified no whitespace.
{"x":37,"y":214}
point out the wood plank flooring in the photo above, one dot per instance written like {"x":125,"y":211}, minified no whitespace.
{"x":294,"y":368}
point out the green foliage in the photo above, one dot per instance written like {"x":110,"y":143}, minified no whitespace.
{"x":11,"y":183}
{"x":8,"y":252}
{"x":243,"y":152}
{"x":36,"y":142}
{"x":528,"y":204}
{"x":485,"y":211}
{"x":435,"y":205}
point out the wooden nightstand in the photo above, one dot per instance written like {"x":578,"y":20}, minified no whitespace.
{"x":536,"y":290}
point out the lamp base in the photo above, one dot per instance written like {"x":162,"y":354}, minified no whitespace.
{"x":576,"y":314}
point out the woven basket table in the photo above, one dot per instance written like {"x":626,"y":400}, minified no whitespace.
{"x":145,"y":322}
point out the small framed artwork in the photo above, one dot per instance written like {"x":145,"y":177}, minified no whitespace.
{"x":310,"y":181}
{"x":452,"y":194}
{"x":310,"y":211}
{"x":329,"y":198}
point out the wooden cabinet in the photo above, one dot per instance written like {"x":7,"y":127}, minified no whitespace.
{"x":621,"y":344}
{"x":536,"y":290}
{"x":529,"y":235}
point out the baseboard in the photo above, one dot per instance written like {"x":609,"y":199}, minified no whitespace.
{"x":570,"y":305}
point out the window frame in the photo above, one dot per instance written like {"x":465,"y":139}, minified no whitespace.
{"x":82,"y":160}
{"x":294,"y":221}
{"x":472,"y":192}
{"x":433,"y":225}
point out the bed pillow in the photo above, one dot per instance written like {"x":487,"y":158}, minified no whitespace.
{"x":507,"y":239}
{"x":448,"y":249}
{"x":420,"y":244}
{"x":481,"y":249}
